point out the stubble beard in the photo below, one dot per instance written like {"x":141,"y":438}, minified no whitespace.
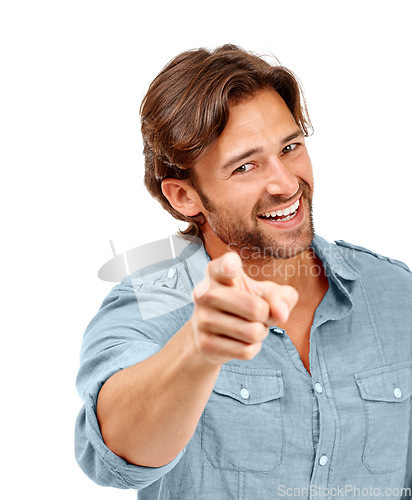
{"x":253,"y":242}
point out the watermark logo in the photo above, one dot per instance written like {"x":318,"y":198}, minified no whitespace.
{"x":161,"y":272}
{"x":143,"y":256}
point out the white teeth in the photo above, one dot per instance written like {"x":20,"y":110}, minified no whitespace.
{"x":286,"y":211}
{"x":289,"y":217}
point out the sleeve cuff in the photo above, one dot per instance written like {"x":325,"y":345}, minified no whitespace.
{"x":105,"y":467}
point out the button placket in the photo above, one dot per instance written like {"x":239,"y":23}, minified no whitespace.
{"x":318,"y":388}
{"x":326,"y":421}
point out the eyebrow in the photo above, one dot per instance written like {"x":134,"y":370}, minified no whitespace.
{"x":241,"y":157}
{"x":253,"y":151}
{"x":290,"y":137}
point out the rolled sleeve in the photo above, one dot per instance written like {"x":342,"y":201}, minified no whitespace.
{"x":115,"y":339}
{"x":102,"y":465}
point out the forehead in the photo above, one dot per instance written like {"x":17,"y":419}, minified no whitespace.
{"x":259,"y":122}
{"x":265,"y":111}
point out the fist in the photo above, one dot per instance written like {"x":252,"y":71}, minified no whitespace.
{"x":232,"y":312}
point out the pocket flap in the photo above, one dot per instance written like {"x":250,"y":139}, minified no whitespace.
{"x":248,"y":385}
{"x":390,"y":383}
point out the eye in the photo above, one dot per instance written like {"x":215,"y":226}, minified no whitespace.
{"x":289,"y":148}
{"x":243,"y":169}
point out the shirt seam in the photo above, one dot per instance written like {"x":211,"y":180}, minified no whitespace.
{"x":334,"y":412}
{"x":390,"y":260}
{"x":373,"y":324}
{"x":346,"y":263}
{"x":114,"y":470}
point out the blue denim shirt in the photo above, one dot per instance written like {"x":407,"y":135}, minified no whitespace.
{"x":270,"y":429}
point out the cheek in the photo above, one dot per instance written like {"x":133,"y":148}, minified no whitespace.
{"x":303,"y":169}
{"x":235,"y":210}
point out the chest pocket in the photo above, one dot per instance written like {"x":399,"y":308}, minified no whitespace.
{"x":242,"y":424}
{"x":386,"y":394}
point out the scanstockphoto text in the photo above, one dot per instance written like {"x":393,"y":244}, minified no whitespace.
{"x":347,"y":490}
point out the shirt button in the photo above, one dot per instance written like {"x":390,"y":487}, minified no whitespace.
{"x":244,"y":393}
{"x":397,"y":392}
{"x":323,"y":460}
{"x":171,"y":272}
{"x":318,"y":388}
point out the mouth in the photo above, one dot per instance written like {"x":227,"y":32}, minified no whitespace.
{"x":283,"y":215}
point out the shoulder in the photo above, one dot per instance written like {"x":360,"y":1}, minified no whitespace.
{"x":377,"y":271}
{"x":166,"y":286}
{"x":357,"y":253}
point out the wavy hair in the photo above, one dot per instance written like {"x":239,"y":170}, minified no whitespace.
{"x":186,"y":108}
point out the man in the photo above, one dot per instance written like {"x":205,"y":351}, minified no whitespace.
{"x":291,"y":371}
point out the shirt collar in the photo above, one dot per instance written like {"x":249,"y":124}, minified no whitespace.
{"x":196,"y":259}
{"x":337,"y":302}
{"x":332,"y":260}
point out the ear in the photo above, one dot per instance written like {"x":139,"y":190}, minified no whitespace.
{"x":182,"y":196}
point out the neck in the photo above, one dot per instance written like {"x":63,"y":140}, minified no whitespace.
{"x":299,"y":271}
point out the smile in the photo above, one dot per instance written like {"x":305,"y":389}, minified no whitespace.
{"x":286,"y":214}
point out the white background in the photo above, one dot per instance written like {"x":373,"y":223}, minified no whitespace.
{"x":73,"y":76}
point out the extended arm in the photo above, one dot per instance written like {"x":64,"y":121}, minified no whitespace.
{"x":148,"y":412}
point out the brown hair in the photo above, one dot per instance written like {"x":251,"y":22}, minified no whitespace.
{"x":187,"y":107}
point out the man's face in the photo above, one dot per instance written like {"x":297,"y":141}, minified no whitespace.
{"x":258,"y":166}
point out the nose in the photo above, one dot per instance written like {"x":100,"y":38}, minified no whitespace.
{"x":280,"y":181}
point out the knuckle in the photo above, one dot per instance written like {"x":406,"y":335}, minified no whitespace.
{"x":204,"y":320}
{"x":207,"y":323}
{"x":207,"y":298}
{"x":262,"y":308}
{"x":257,"y":309}
{"x":206,"y":344}
{"x":250,"y":351}
{"x":256,"y":331}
